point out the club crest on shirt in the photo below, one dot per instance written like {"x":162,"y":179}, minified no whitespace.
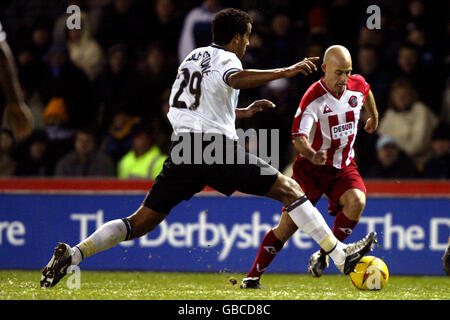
{"x":353,"y":101}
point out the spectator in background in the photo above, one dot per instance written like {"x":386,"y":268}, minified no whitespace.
{"x":85,"y":160}
{"x":280,"y":93}
{"x":417,"y":36}
{"x":428,"y":65}
{"x":122,"y":23}
{"x":438,"y":166}
{"x":365,"y":150}
{"x":116,"y":87}
{"x":22,"y":14}
{"x":343,"y":26}
{"x":281,"y":50}
{"x":314,"y":48}
{"x":60,"y":135}
{"x":317,"y":20}
{"x":256,"y":51}
{"x":41,"y":37}
{"x":7,"y":143}
{"x":84,"y":51}
{"x":31,"y":72}
{"x":392,"y":163}
{"x":371,"y":37}
{"x":407,"y":60}
{"x":91,"y":8}
{"x":368,"y":65}
{"x":167,"y":24}
{"x":95,"y":11}
{"x":60,"y":25}
{"x":154,"y":77}
{"x":119,"y":136}
{"x":416,"y":14}
{"x":409,"y":121}
{"x":378,"y":39}
{"x":144,"y":160}
{"x":410,"y":66}
{"x":33,"y":156}
{"x":196,"y":30}
{"x":29,"y":24}
{"x":64,"y":79}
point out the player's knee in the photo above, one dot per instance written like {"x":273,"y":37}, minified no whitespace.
{"x":355,"y":206}
{"x":285,"y":190}
{"x":360,"y":204}
{"x":292,"y":191}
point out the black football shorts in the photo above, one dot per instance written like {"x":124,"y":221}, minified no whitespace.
{"x":180,"y":181}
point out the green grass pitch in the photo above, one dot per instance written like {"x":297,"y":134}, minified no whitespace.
{"x":18,"y":285}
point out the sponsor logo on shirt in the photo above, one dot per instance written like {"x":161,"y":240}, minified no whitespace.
{"x":342,"y":130}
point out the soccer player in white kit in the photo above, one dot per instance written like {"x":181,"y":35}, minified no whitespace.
{"x":204,"y":101}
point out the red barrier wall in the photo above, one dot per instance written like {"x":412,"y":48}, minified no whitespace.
{"x":396,"y":188}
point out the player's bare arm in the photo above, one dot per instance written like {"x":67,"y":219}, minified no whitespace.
{"x":302,"y":146}
{"x":251,"y":78}
{"x":17,"y":114}
{"x":371,"y":108}
{"x":255,"y":107}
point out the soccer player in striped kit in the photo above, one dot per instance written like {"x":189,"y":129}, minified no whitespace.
{"x":323,"y":133}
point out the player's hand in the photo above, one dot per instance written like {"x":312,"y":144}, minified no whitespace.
{"x":258,"y":106}
{"x":371,"y":125}
{"x":319,"y":158}
{"x":19,"y":120}
{"x":306,"y":66}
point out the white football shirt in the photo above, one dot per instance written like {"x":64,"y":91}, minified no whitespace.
{"x":201,"y":100}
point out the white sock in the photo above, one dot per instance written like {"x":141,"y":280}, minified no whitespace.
{"x":77,"y":256}
{"x":310,"y":220}
{"x":338,"y":255}
{"x":107,"y":236}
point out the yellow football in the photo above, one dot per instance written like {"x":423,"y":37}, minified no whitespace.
{"x":371,"y":273}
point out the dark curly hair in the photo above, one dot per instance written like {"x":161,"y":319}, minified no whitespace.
{"x":227,"y":23}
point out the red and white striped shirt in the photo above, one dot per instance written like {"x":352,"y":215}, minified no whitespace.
{"x":329,"y":121}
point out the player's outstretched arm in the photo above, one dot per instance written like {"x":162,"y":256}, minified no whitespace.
{"x":371,"y":108}
{"x":251,"y":78}
{"x":256,"y":106}
{"x":303,"y":147}
{"x":17,"y":114}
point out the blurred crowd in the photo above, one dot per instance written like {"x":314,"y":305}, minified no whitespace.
{"x":99,"y":95}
